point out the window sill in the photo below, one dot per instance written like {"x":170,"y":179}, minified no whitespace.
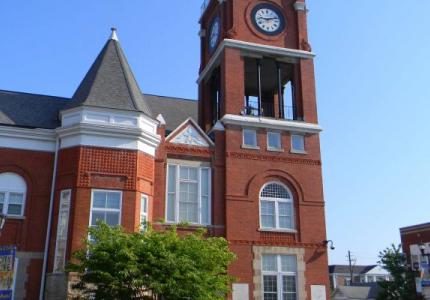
{"x":15,"y":217}
{"x":179,"y":225}
{"x":250,"y":147}
{"x":277,"y":230}
{"x":298,"y":152}
{"x":275,"y":150}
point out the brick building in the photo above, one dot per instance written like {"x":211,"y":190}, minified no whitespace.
{"x":244,"y":160}
{"x":416,"y":246}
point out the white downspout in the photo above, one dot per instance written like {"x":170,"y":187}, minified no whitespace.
{"x":48,"y":230}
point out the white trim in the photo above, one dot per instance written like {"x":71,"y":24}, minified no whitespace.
{"x":106,"y":209}
{"x":269,"y":123}
{"x":279,"y":52}
{"x":161,"y":119}
{"x":300,"y":6}
{"x":191,"y":120}
{"x":109,"y":137}
{"x":27,"y":139}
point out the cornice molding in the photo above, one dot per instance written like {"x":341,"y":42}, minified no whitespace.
{"x":27,"y":139}
{"x":262,"y":122}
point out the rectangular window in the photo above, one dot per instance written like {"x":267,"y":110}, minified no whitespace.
{"x":11,"y":203}
{"x":250,"y":138}
{"x":279,"y":277}
{"x":274,"y":141}
{"x":188,"y":194}
{"x":62,"y":228}
{"x":143,"y":212}
{"x":106,"y":207}
{"x":297,"y":143}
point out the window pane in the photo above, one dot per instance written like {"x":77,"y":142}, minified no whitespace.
{"x":16,"y":198}
{"x":143,"y":205}
{"x":171,"y":207}
{"x":269,"y":263}
{"x":285,"y":215}
{"x":14,"y":209}
{"x":205,"y":182}
{"x":183,"y":173}
{"x":2,"y":198}
{"x":99,"y":200}
{"x":268,"y":214}
{"x":172,"y":179}
{"x":274,"y":140}
{"x":193,"y":174}
{"x":285,"y":222}
{"x":205,"y":210}
{"x":112,"y":218}
{"x":97,"y":216}
{"x":250,"y":138}
{"x":188,"y":212}
{"x":113,"y":200}
{"x":298,"y":142}
{"x":275,"y":190}
{"x":288,"y":263}
{"x":288,"y":284}
{"x":270,"y":287}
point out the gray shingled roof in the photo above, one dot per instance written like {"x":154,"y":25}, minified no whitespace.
{"x":174,"y":110}
{"x":110,"y":83}
{"x":344,"y":269}
{"x":39,"y":111}
{"x":30,"y":110}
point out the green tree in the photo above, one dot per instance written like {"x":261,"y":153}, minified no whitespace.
{"x":402,"y":284}
{"x":152,"y":265}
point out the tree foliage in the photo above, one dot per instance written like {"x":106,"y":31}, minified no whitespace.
{"x":402,"y":285}
{"x":152,"y":265}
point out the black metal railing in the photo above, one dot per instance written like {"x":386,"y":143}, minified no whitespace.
{"x":267,"y":110}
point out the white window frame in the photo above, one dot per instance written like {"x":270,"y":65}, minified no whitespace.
{"x":268,"y":141}
{"x":57,"y":241}
{"x":277,"y":201}
{"x":253,"y":131}
{"x":144,"y":214}
{"x":105,"y":209}
{"x":199,"y":193}
{"x":298,"y":151}
{"x":279,"y":273}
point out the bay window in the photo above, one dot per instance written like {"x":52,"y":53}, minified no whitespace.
{"x":188,"y":194}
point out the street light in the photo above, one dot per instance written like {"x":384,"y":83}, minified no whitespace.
{"x":329,"y":242}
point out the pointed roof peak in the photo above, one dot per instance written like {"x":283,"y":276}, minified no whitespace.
{"x":114,"y":35}
{"x":110,"y":82}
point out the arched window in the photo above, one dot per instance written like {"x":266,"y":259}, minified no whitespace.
{"x":276,"y":207}
{"x":12,"y":194}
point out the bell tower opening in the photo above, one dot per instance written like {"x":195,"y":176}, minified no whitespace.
{"x":269,"y":89}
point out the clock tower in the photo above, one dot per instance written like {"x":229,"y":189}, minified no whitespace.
{"x":257,"y":100}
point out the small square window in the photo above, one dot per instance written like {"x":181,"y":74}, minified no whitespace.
{"x":297,"y":143}
{"x":274,"y":141}
{"x":250,"y":138}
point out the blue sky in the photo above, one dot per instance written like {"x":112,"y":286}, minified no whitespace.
{"x":372,"y":84}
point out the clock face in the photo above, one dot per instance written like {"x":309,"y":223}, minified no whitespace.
{"x":268,"y":19}
{"x":214,"y":33}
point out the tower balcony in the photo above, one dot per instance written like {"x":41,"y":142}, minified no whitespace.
{"x":268,"y":110}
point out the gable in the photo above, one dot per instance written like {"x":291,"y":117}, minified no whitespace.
{"x":189,"y":133}
{"x":190,"y":136}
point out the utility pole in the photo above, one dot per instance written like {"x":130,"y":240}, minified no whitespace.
{"x":350,"y":266}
